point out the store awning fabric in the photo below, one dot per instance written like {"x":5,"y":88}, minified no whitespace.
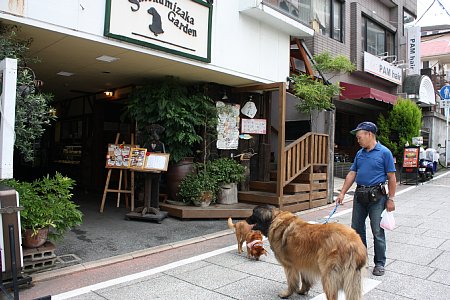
{"x":353,"y":91}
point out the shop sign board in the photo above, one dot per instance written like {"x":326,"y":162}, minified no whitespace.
{"x":181,"y":27}
{"x":413,"y":34}
{"x":411,"y":157}
{"x":254,"y":126}
{"x":381,"y":68}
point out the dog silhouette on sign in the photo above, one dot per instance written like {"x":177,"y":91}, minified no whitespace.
{"x":156,"y":26}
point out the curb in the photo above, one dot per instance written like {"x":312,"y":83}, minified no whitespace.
{"x":42,"y":276}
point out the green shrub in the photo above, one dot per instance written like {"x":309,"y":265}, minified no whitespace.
{"x":402,"y":123}
{"x":226,"y":170}
{"x":195,"y":183}
{"x":47,"y":202}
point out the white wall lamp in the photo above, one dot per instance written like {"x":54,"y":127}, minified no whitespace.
{"x":109,"y":93}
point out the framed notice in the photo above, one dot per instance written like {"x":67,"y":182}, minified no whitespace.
{"x":137,"y":157}
{"x":254,"y":126}
{"x":156,"y":161}
{"x":118,"y":156}
{"x":411,"y":157}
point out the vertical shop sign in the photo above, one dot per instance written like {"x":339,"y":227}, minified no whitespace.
{"x":181,"y":27}
{"x":413,"y":34}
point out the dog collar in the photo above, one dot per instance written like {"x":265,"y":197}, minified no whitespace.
{"x":252,"y":244}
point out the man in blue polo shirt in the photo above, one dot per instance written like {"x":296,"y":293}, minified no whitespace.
{"x":373,"y":165}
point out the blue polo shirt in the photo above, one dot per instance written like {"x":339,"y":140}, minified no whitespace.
{"x":372,"y":166}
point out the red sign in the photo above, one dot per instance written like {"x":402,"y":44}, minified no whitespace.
{"x":411,"y":157}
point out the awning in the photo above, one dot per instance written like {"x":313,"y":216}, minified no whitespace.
{"x":353,"y":91}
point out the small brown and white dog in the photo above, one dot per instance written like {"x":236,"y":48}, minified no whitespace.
{"x":241,"y":229}
{"x":255,"y":245}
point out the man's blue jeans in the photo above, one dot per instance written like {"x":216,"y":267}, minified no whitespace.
{"x":359,"y":216}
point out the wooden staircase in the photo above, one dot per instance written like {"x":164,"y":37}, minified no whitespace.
{"x":303,"y":181}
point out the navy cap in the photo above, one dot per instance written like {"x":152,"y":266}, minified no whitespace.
{"x":367,"y":126}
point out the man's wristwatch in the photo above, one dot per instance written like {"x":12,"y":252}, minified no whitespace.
{"x":392,"y":199}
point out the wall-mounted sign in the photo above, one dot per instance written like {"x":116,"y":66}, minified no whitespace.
{"x":254,"y":126}
{"x":181,"y":27}
{"x":227,"y":125}
{"x":413,"y":34}
{"x":380,"y":68}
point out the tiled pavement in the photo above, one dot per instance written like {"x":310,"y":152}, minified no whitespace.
{"x":418,"y":265}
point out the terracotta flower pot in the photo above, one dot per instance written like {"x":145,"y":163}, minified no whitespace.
{"x":204,"y":200}
{"x":37,"y":240}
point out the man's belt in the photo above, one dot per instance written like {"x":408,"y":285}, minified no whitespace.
{"x":361,"y":186}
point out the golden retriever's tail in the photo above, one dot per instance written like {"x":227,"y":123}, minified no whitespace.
{"x":230,"y":224}
{"x":354,"y":274}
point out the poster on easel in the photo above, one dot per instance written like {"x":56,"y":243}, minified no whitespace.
{"x":411,"y":157}
{"x":156,"y":161}
{"x":118,"y":156}
{"x":137,"y":158}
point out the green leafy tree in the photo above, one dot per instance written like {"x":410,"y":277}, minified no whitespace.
{"x":315,"y":94}
{"x":329,"y":64}
{"x":185,"y":115}
{"x":402,"y":123}
{"x":32,"y":107}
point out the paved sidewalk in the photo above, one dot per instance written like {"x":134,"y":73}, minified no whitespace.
{"x":418,"y":265}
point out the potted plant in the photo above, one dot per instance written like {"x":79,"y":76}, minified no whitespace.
{"x":48,"y":208}
{"x":198,"y":188}
{"x":227,"y":173}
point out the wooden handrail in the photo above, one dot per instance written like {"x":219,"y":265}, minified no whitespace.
{"x":308,"y":150}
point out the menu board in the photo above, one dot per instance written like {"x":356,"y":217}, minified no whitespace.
{"x":137,"y":158}
{"x":118,"y":156}
{"x":411,"y":157}
{"x":254,"y":126}
{"x":156,"y":161}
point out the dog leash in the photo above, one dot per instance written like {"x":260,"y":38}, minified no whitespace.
{"x":332,"y":213}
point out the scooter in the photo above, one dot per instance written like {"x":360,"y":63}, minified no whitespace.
{"x":425,"y":169}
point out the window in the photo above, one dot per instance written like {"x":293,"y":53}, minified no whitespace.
{"x":408,"y":20}
{"x":328,"y":13}
{"x":376,"y":39}
{"x":337,"y":12}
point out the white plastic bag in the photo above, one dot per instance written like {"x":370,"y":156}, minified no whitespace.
{"x":387,"y":220}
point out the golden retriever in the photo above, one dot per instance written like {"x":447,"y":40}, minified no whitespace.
{"x":332,"y":252}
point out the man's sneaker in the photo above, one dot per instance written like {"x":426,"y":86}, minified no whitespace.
{"x":378,"y":271}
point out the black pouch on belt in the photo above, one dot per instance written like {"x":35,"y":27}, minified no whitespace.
{"x":368,"y":194}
